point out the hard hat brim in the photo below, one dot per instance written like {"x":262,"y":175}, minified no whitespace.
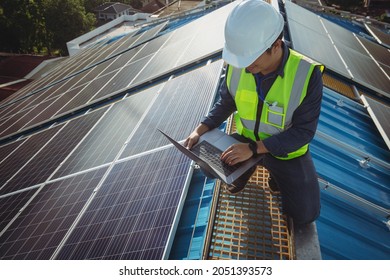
{"x":239,"y":61}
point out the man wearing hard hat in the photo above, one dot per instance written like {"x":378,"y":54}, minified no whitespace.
{"x":276,"y":94}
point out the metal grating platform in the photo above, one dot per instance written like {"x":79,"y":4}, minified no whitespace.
{"x":338,"y":86}
{"x":250,"y":224}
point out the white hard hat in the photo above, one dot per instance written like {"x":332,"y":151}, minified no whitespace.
{"x":251,"y":28}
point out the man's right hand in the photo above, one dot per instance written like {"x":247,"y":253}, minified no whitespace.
{"x":193,"y":138}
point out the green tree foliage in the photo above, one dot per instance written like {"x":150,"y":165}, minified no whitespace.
{"x":34,"y":25}
{"x":66,"y":20}
{"x":90,"y":5}
{"x":22,"y":26}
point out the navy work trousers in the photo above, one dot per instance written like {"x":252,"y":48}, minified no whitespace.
{"x":298,"y":183}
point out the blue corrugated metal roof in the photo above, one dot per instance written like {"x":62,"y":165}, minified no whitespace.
{"x":191,"y":233}
{"x":353,"y":162}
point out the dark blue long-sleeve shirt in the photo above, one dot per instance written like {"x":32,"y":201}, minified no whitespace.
{"x":304,"y":120}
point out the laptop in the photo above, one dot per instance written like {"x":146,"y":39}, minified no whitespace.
{"x":207,"y":152}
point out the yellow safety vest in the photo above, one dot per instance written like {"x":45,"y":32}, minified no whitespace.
{"x":283,"y":98}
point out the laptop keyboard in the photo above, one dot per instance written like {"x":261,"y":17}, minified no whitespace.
{"x":212,"y":156}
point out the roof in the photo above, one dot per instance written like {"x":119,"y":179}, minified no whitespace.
{"x":153,"y":6}
{"x":112,"y":8}
{"x":117,"y":190}
{"x":18,"y":66}
{"x":14,"y":70}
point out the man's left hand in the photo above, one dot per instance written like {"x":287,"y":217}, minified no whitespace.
{"x":236,"y":153}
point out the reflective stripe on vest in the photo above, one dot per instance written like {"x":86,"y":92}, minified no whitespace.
{"x":274,"y":119}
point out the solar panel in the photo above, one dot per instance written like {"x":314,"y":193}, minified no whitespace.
{"x":381,"y":55}
{"x":122,"y":79}
{"x":324,"y":51}
{"x":178,"y":108}
{"x":42,"y":95}
{"x":26,"y":121}
{"x":132,"y":214}
{"x":84,"y":94}
{"x":41,"y":226}
{"x":380,"y":114}
{"x":118,"y":62}
{"x":161,"y":62}
{"x":382,"y":38}
{"x":141,"y":38}
{"x":46,"y":112}
{"x":365,"y":70}
{"x":13,"y":108}
{"x":150,"y":47}
{"x":106,"y":139}
{"x":44,"y":163}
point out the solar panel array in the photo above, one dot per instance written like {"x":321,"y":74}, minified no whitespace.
{"x":340,"y":50}
{"x":77,"y":84}
{"x":84,"y":172}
